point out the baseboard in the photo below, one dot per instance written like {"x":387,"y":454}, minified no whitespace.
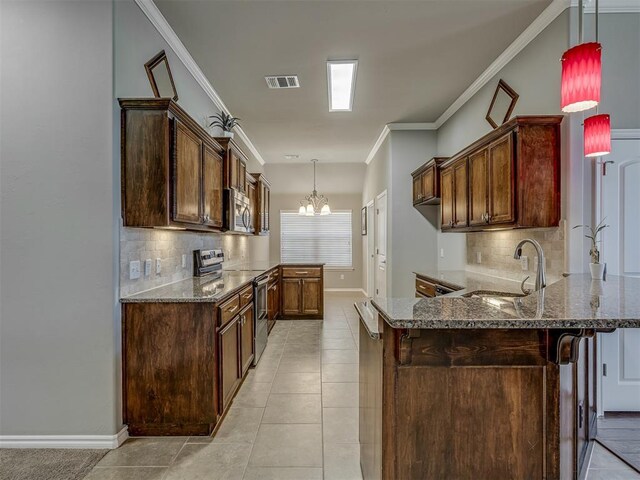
{"x":65,"y":441}
{"x":359,"y":290}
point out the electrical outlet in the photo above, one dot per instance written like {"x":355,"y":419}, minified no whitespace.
{"x":442,"y":253}
{"x":478,"y":257}
{"x":147,"y":267}
{"x":134,"y":269}
{"x":158,"y":266}
{"x":342,"y":276}
{"x":184,"y":260}
{"x":524,"y":262}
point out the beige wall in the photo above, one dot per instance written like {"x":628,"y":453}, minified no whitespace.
{"x":352,"y":277}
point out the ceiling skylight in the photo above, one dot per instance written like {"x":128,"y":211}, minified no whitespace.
{"x":341,"y":79}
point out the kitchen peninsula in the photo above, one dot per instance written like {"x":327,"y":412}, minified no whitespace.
{"x":485,"y":385}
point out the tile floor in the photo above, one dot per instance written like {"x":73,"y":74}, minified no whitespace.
{"x":294,"y":418}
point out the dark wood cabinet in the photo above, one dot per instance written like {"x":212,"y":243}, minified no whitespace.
{"x":235,"y":164}
{"x":512,"y":176}
{"x":302,"y":291}
{"x":246,"y":338}
{"x":169,"y":176}
{"x":212,"y":188}
{"x":454,"y":203}
{"x":252,"y":193}
{"x":263,"y":204}
{"x":230,"y":372}
{"x":426,"y":182}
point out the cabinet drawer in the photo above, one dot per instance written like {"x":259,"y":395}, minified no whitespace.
{"x":425,"y":288}
{"x":274,"y":275}
{"x":229,"y":309}
{"x":301,"y":272}
{"x":246,"y":296}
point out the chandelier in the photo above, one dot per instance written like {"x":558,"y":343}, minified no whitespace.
{"x":315,"y":204}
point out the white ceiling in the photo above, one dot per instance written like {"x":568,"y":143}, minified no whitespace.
{"x":415,"y":59}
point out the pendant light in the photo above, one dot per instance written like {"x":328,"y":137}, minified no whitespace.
{"x":316,"y":204}
{"x":581,"y":72}
{"x":597,"y":135}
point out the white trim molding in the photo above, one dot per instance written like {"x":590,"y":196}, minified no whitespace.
{"x":412,"y":126}
{"x":610,"y":6}
{"x":376,"y":146}
{"x":65,"y":441}
{"x":354,"y":290}
{"x":160,"y":23}
{"x":625,"y":133}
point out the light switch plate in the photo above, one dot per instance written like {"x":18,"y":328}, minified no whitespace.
{"x":478,"y":257}
{"x":147,"y":267}
{"x":134,"y":269}
{"x":184,"y":260}
{"x":442,"y":253}
{"x":524,"y":262}
{"x":158,"y":266}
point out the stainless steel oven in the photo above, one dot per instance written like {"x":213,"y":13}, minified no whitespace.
{"x":238,"y":210}
{"x":260,"y":316}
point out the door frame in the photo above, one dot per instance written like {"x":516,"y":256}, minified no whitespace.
{"x":375,"y":239}
{"x":616,"y":134}
{"x":369,"y":238}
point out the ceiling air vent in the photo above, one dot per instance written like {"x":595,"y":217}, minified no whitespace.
{"x":282,"y":81}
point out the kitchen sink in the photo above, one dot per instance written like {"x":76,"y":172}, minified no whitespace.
{"x":492,"y":294}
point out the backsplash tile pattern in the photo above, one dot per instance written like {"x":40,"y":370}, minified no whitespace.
{"x":497,"y":250}
{"x":169,"y":246}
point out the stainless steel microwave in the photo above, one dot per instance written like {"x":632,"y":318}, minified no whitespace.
{"x":238,"y":208}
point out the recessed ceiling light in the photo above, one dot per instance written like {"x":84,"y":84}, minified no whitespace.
{"x":291,"y":156}
{"x":341,"y":80}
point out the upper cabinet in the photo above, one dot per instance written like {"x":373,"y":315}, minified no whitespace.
{"x":235,"y":165}
{"x":171,"y":168}
{"x":509,"y":178}
{"x":263,"y":190}
{"x":426,"y":182}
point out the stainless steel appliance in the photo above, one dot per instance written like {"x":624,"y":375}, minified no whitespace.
{"x":238,"y":210}
{"x":260,"y":316}
{"x":208,"y":262}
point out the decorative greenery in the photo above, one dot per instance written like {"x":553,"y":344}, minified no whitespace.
{"x":593,"y":236}
{"x":224,"y":121}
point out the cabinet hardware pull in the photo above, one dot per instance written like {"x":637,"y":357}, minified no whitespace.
{"x":232,"y":309}
{"x":301,"y":273}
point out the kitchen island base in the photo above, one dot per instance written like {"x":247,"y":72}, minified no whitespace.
{"x":475,"y":404}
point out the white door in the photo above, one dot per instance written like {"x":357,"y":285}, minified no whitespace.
{"x":371,"y":249}
{"x":621,"y":252}
{"x":381,"y":245}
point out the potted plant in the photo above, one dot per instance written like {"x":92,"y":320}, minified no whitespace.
{"x":225,"y":122}
{"x":597,"y":268}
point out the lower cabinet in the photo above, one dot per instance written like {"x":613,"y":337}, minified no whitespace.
{"x":302,"y":292}
{"x":230,"y":373}
{"x":247,"y":350}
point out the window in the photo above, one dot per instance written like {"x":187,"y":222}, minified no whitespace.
{"x":318,"y":239}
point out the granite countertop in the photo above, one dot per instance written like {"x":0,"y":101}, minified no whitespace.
{"x":207,"y":289}
{"x":195,"y":289}
{"x":368,"y":317}
{"x":464,"y":282}
{"x":576,"y":301}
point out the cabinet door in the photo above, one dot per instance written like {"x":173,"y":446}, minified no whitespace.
{"x":246,"y":336}
{"x":446,"y":197}
{"x":460,"y":198}
{"x":267,"y":205}
{"x":253,"y":202}
{"x":501,"y":181}
{"x":291,"y":296}
{"x":187,"y":165}
{"x":417,"y":188}
{"x":229,"y":366}
{"x":429,"y":183}
{"x":478,"y":188}
{"x":311,"y":295}
{"x":212,"y":186}
{"x":234,"y":166}
{"x":242,"y":176}
{"x":277,"y":300}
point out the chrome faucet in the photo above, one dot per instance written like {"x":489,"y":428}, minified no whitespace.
{"x":541,"y":279}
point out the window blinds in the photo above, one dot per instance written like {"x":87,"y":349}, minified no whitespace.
{"x":318,"y":239}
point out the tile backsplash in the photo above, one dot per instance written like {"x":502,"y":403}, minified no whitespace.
{"x":497,"y":248}
{"x":169,"y":246}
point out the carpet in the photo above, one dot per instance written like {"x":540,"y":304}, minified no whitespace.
{"x":47,"y":463}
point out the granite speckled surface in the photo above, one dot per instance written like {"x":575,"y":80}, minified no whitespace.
{"x":576,"y":301}
{"x":206,"y":289}
{"x":465,"y":282}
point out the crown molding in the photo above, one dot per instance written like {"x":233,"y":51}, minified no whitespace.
{"x":610,"y":6}
{"x":376,"y":146}
{"x":160,"y":23}
{"x":411,"y":126}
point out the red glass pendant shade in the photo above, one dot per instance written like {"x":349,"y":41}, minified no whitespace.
{"x":597,"y":135}
{"x":581,"y":77}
